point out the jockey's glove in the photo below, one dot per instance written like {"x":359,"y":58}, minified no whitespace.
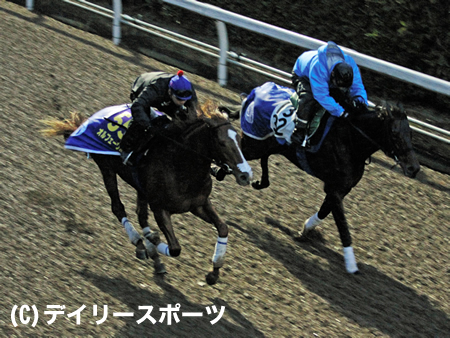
{"x":182,"y":111}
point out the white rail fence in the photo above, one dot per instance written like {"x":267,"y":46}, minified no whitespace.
{"x":225,"y":56}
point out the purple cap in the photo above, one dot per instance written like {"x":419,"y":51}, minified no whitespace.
{"x":181,"y":86}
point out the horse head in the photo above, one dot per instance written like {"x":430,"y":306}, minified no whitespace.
{"x":398,"y":142}
{"x":226,"y":147}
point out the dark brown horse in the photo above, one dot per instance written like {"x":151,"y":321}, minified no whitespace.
{"x":173,"y":177}
{"x":340,"y":160}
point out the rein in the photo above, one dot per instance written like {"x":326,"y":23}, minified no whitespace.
{"x":181,"y":145}
{"x":371,"y":140}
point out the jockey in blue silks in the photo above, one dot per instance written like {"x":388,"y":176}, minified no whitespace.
{"x":326,"y":76}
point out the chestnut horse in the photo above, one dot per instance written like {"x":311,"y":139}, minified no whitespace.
{"x":340,"y":160}
{"x":172,"y":177}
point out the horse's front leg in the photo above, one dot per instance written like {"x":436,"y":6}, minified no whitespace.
{"x":146,"y":248}
{"x":318,"y":217}
{"x":209,"y":214}
{"x":164,"y":222}
{"x":142,"y":213}
{"x":264,"y":183}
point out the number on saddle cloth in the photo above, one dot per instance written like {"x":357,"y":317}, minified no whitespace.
{"x":267,"y":112}
{"x":102,"y":132}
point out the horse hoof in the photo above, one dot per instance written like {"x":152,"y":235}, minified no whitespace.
{"x":259,"y":186}
{"x":141,"y":254}
{"x":310,"y":224}
{"x":141,"y":251}
{"x":160,"y":268}
{"x":303,"y":231}
{"x":212,"y":277}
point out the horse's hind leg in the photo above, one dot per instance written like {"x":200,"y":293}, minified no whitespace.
{"x":209,"y":214}
{"x":265,"y":182}
{"x":256,"y":149}
{"x":344,"y":234}
{"x":334,"y":203}
{"x":117,"y":207}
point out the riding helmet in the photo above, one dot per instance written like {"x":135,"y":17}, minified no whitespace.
{"x":342,"y":75}
{"x":181,"y":87}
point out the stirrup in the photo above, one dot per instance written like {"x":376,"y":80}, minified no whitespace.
{"x":305,"y":142}
{"x":127,"y":158}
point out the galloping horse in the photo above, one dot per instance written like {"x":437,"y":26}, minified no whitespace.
{"x":172,"y":177}
{"x":340,"y":160}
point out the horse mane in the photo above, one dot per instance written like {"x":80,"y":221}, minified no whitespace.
{"x":209,"y":109}
{"x":58,"y":127}
{"x":64,"y":127}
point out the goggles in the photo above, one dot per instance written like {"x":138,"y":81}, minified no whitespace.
{"x":182,"y":94}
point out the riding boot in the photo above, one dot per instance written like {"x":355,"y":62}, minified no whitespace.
{"x":131,"y":141}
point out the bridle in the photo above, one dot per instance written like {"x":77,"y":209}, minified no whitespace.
{"x":389,"y":149}
{"x":183,"y":146}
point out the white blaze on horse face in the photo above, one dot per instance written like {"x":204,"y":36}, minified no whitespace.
{"x":244,"y":166}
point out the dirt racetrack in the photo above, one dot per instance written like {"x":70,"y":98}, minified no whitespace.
{"x":61,"y":245}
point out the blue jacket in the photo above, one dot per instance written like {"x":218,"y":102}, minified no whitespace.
{"x":317,"y":66}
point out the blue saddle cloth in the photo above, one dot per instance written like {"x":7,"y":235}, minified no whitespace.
{"x":259,"y":107}
{"x":101,"y":133}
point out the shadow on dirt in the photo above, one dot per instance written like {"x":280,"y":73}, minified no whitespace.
{"x":133,"y":297}
{"x":421,"y":176}
{"x":372,"y":299}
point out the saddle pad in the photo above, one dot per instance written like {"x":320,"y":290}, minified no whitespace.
{"x":260,"y":107}
{"x":101,"y":133}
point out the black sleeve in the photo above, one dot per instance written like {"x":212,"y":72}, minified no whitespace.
{"x":140,"y":108}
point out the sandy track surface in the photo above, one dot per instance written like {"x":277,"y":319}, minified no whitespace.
{"x":61,"y":245}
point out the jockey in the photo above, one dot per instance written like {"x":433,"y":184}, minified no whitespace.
{"x":329,"y":78}
{"x":171,"y":94}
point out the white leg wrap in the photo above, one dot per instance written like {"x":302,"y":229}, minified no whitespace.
{"x":163,"y":249}
{"x":133,"y":235}
{"x":219,"y":252}
{"x":350,"y":261}
{"x":312,"y":222}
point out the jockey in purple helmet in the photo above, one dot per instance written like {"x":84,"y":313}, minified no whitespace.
{"x":171,"y":94}
{"x":327,"y":76}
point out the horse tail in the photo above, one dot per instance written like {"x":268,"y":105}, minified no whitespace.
{"x":234,"y":111}
{"x":63,"y":128}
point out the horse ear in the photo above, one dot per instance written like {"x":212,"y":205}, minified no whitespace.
{"x":400,"y":107}
{"x":389,"y":110}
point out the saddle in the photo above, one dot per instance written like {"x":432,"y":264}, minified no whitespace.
{"x":310,"y":131}
{"x":145,"y":139}
{"x":310,"y":135}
